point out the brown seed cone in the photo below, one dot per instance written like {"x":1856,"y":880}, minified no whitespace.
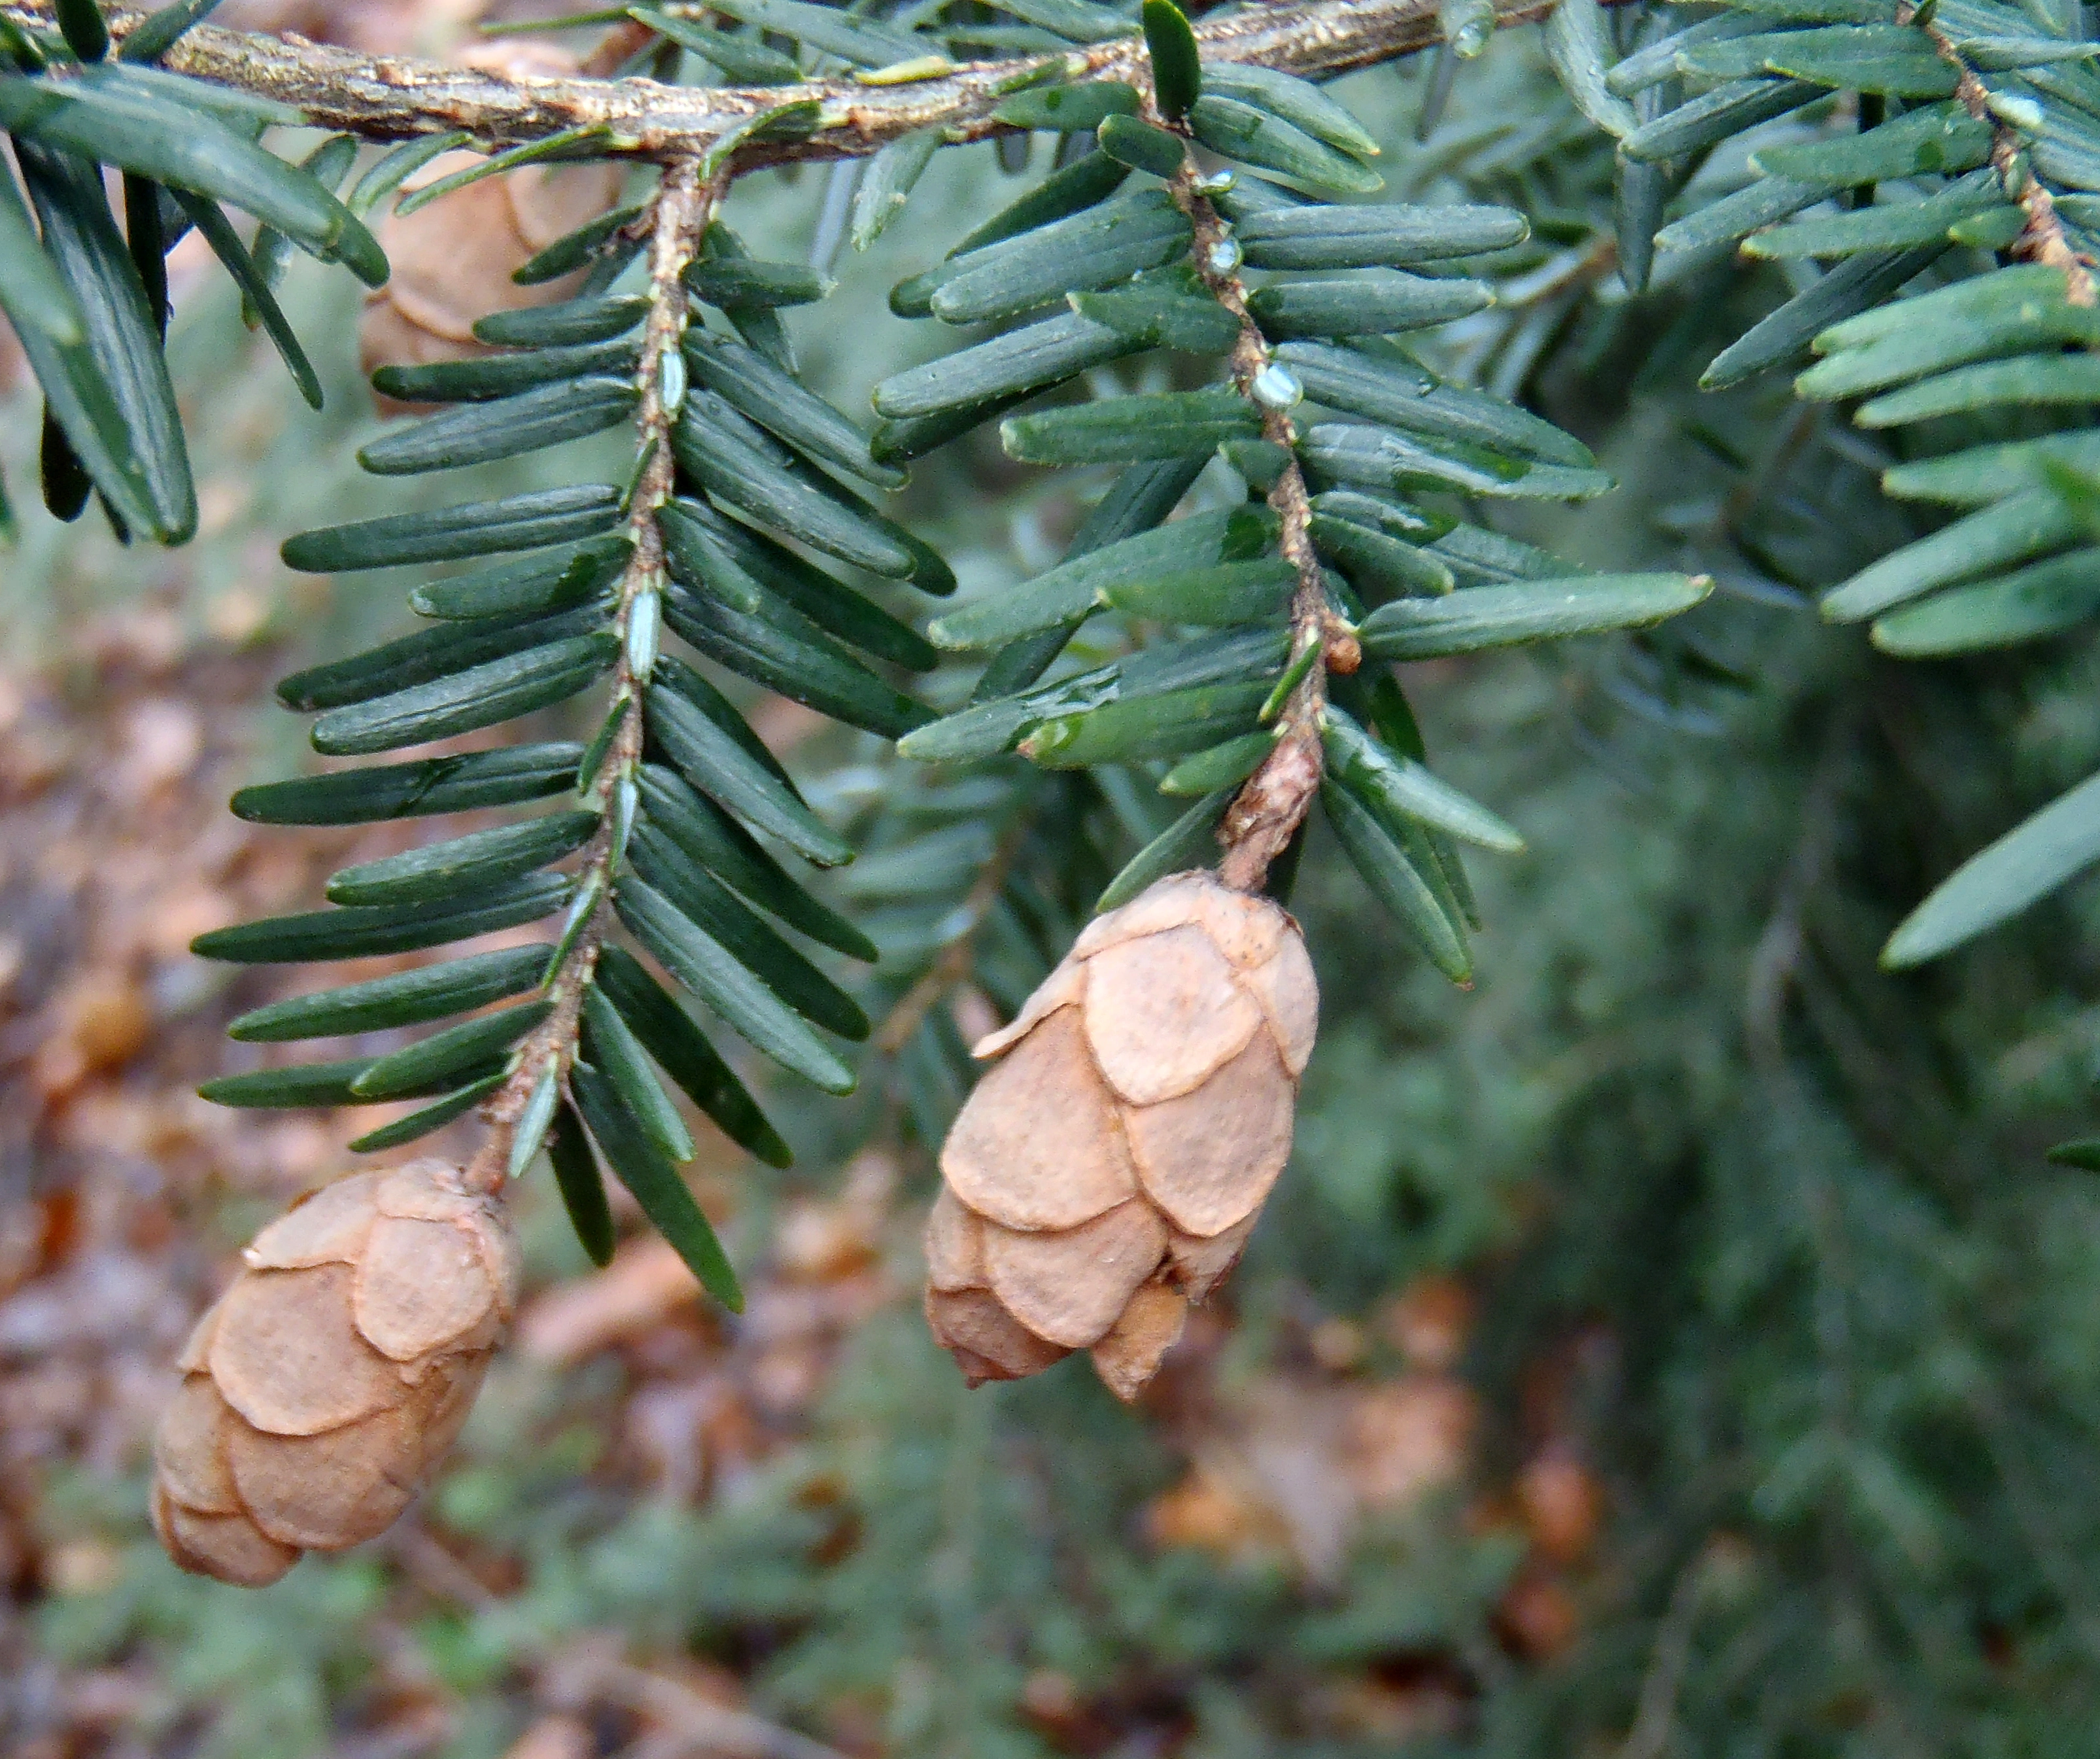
{"x":1108,"y":1168}
{"x":325,"y":1383}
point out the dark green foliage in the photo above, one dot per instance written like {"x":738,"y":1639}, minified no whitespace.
{"x":1686,"y":1116}
{"x":582,"y":141}
{"x":1187,"y":842}
{"x":607,"y":1045}
{"x":581,"y":1186}
{"x":397,"y":164}
{"x":710,"y":552}
{"x":714,"y":841}
{"x":1378,"y":564}
{"x":530,"y":587}
{"x":1397,"y":874}
{"x":112,"y":397}
{"x":1296,"y":101}
{"x":745,"y":59}
{"x":783,"y":649}
{"x":1225,"y":765}
{"x":716,"y":764}
{"x":1075,"y":186}
{"x":225,"y":245}
{"x":462,"y":1052}
{"x":1255,"y":136}
{"x":1098,"y":247}
{"x":1382,"y":462}
{"x":428,"y":656}
{"x":481,"y":696}
{"x":1364,"y":235}
{"x":2010,"y":561}
{"x":503,"y":429}
{"x":1069,"y":109}
{"x":363,"y":932}
{"x":602,"y":239}
{"x":820,"y":26}
{"x":306,"y":1084}
{"x":522,"y":522}
{"x":1140,"y":146}
{"x":505,"y":375}
{"x":1376,"y":381}
{"x":641,"y":1166}
{"x":669,"y":1035}
{"x":157,"y":32}
{"x":759,"y":390}
{"x":482,"y":858}
{"x":711,"y":972}
{"x":406,"y":998}
{"x":328,"y":163}
{"x":1397,"y":788}
{"x":1170,"y":309}
{"x":705,"y":901}
{"x":1163,"y":726}
{"x":1075,"y":586}
{"x":1493,"y":616}
{"x":1176,"y":77}
{"x":1128,"y":430}
{"x":122,"y":116}
{"x":81,"y":22}
{"x":993,"y":723}
{"x":565,"y":325}
{"x":1021,"y":361}
{"x":2056,"y":845}
{"x":404,"y":790}
{"x":419,"y":1124}
{"x":726,"y":456}
{"x":732,"y":283}
{"x":888,"y":181}
{"x":1225,"y":593}
{"x":1374,"y":303}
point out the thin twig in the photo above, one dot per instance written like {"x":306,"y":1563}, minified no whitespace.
{"x":1655,"y":1719}
{"x":394,"y":97}
{"x":2041,"y":239}
{"x":1261,"y":821}
{"x":685,"y":202}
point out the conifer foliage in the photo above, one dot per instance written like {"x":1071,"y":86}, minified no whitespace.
{"x":1214,"y":269}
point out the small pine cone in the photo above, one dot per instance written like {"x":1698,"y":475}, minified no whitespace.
{"x":325,"y":1383}
{"x":1107,"y":1171}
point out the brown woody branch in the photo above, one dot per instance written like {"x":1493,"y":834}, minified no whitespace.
{"x":683,"y":205}
{"x":2042,"y":238}
{"x":1268,"y":810}
{"x":389,"y":98}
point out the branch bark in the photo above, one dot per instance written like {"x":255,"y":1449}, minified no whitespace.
{"x":1266,"y":811}
{"x":683,"y":205}
{"x":2042,"y":239}
{"x":397,"y":97}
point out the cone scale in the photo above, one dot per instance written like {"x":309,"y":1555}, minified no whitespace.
{"x":1106,"y":1171}
{"x":334,"y":1374}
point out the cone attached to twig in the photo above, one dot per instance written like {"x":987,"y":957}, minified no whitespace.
{"x":1107,"y":1170}
{"x":325,"y":1383}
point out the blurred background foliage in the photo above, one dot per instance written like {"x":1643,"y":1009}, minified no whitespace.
{"x":1674,"y":1345}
